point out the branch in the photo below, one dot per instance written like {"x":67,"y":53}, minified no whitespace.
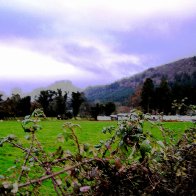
{"x":54,"y":174}
{"x":27,"y":157}
{"x":25,"y":150}
{"x":75,"y":139}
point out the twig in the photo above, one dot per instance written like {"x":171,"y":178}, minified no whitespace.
{"x":25,"y":150}
{"x":75,"y":139}
{"x":53,"y":175}
{"x":27,"y":156}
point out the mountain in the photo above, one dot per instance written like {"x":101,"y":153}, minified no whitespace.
{"x":64,"y":85}
{"x":115,"y":92}
{"x":121,"y":90}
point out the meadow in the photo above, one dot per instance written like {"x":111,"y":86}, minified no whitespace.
{"x":90,"y":132}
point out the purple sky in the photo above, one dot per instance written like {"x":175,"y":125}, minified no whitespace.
{"x":90,"y":42}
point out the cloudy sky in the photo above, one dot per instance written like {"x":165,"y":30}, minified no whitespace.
{"x":90,"y":42}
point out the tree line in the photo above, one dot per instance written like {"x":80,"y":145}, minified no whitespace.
{"x":54,"y":104}
{"x":150,"y":97}
{"x":154,"y":98}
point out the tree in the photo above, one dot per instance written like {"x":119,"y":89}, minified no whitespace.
{"x":1,"y":95}
{"x":60,"y":102}
{"x":1,"y":107}
{"x":135,"y":99}
{"x":163,"y":97}
{"x":76,"y":101}
{"x":45,"y":99}
{"x":183,"y":86}
{"x":10,"y":107}
{"x":25,"y":106}
{"x":85,"y":109}
{"x":147,"y":95}
{"x":109,"y":108}
{"x":14,"y":103}
{"x":95,"y":110}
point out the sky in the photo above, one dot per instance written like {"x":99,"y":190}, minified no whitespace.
{"x":90,"y":42}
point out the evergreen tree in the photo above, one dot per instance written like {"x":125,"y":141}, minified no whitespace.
{"x":1,"y":97}
{"x":147,"y":95}
{"x":46,"y":98}
{"x":109,"y":108}
{"x":163,"y":97}
{"x":60,"y":102}
{"x":25,"y":106}
{"x":76,"y":101}
{"x":95,"y":111}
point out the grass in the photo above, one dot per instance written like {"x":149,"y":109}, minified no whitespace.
{"x":177,"y":127}
{"x":90,"y":133}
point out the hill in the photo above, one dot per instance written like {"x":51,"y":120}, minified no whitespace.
{"x":64,"y":85}
{"x":121,"y":90}
{"x":115,"y":92}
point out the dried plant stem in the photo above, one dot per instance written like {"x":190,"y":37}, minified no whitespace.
{"x":54,"y":174}
{"x":75,"y":139}
{"x":27,"y":156}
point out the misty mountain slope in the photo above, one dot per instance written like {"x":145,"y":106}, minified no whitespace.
{"x":121,"y":90}
{"x":114,"y":92}
{"x":64,"y":85}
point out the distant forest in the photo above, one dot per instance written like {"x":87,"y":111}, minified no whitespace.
{"x":160,"y":98}
{"x":150,"y":97}
{"x":54,"y":104}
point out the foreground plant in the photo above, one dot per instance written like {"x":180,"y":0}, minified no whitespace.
{"x":130,"y":162}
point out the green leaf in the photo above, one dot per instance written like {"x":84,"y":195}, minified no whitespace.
{"x":67,"y":135}
{"x":145,"y":147}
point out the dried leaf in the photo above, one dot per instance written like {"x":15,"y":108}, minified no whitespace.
{"x":84,"y":189}
{"x":7,"y":185}
{"x":15,"y":188}
{"x":59,"y":181}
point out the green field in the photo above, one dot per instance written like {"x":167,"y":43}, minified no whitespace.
{"x":90,"y":133}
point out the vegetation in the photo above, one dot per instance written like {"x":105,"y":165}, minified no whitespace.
{"x":120,"y":91}
{"x":90,"y":132}
{"x":147,"y":95}
{"x":54,"y":104}
{"x":160,"y":98}
{"x":76,"y":101}
{"x":109,"y":93}
{"x":102,"y":109}
{"x":129,"y":161}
